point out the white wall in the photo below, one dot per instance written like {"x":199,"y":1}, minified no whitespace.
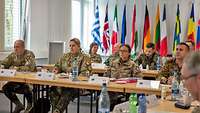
{"x":50,"y":21}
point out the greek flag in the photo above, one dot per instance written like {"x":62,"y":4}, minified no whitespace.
{"x":96,"y":26}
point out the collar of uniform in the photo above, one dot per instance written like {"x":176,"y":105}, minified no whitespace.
{"x":123,"y":62}
{"x":76,"y":55}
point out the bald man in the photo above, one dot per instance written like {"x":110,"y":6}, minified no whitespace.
{"x":20,"y":60}
{"x":114,"y":56}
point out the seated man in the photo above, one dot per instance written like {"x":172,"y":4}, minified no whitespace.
{"x":190,"y":73}
{"x":149,"y":57}
{"x":61,"y":96}
{"x":174,"y":64}
{"x":21,"y":60}
{"x":122,"y":68}
{"x":114,"y":56}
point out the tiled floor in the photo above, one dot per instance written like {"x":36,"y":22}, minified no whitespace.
{"x":84,"y":106}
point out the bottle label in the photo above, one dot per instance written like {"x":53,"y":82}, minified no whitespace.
{"x":103,"y":110}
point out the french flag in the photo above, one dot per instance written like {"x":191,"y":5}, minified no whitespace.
{"x":163,"y":42}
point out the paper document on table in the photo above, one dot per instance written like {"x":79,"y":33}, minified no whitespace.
{"x":7,"y":72}
{"x":148,"y":84}
{"x":98,"y":66}
{"x":45,"y":75}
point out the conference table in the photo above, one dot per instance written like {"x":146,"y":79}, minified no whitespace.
{"x":98,"y":70}
{"x":30,"y":78}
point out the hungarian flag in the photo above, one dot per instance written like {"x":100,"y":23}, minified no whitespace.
{"x":106,"y":37}
{"x":163,"y":42}
{"x":133,"y":27}
{"x":146,"y":33}
{"x":198,"y":36}
{"x":115,"y":30}
{"x":123,"y":35}
{"x":177,"y":31}
{"x":157,"y":30}
{"x":191,"y":26}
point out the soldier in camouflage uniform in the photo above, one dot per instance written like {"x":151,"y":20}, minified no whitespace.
{"x":95,"y":58}
{"x":61,"y":96}
{"x":122,"y":68}
{"x":175,"y":64}
{"x":21,"y":60}
{"x":190,"y":73}
{"x":149,"y":57}
{"x":114,"y":56}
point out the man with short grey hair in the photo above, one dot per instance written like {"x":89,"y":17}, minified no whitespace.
{"x":190,"y":73}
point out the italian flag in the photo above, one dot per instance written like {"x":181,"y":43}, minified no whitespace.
{"x":115,"y":30}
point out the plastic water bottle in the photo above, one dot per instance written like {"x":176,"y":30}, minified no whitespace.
{"x":74,"y":70}
{"x":158,"y":65}
{"x":133,"y":103}
{"x":104,"y":100}
{"x":175,"y":87}
{"x":142,"y":108}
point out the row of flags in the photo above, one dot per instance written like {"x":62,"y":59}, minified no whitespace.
{"x":160,"y":30}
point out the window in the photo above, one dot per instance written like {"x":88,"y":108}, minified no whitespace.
{"x":82,"y":20}
{"x":12,"y":22}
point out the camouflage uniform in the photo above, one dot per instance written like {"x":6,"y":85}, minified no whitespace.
{"x":111,"y":58}
{"x":144,"y":60}
{"x":96,"y":58}
{"x":121,"y":69}
{"x":61,"y":96}
{"x":25,"y":62}
{"x":168,"y":69}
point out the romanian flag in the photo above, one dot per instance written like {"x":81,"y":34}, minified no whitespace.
{"x":146,"y":34}
{"x":198,"y":36}
{"x":123,"y":36}
{"x":191,"y":26}
{"x":163,"y":41}
{"x":177,"y":31}
{"x":106,"y":37}
{"x":115,"y":30}
{"x":157,"y":30}
{"x":133,"y":27}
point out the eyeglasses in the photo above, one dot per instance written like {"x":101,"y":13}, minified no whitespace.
{"x":186,"y":78}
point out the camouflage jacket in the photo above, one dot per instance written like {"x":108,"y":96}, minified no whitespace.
{"x":96,"y":58}
{"x":144,"y":60}
{"x":25,"y":62}
{"x":121,"y":69}
{"x":83,"y":61}
{"x":111,"y":58}
{"x":169,"y":68}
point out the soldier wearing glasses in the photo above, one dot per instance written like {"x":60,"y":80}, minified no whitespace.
{"x":122,"y":68}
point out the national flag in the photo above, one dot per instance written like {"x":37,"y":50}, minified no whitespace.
{"x":133,"y":27}
{"x":191,"y":26}
{"x":198,"y":36}
{"x":177,"y":30}
{"x":146,"y":31}
{"x":123,"y":35}
{"x":163,"y":42}
{"x":157,"y":30}
{"x":115,"y":29}
{"x":96,"y":27}
{"x":106,"y":37}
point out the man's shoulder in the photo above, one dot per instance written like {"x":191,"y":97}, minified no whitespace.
{"x":28,"y":52}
